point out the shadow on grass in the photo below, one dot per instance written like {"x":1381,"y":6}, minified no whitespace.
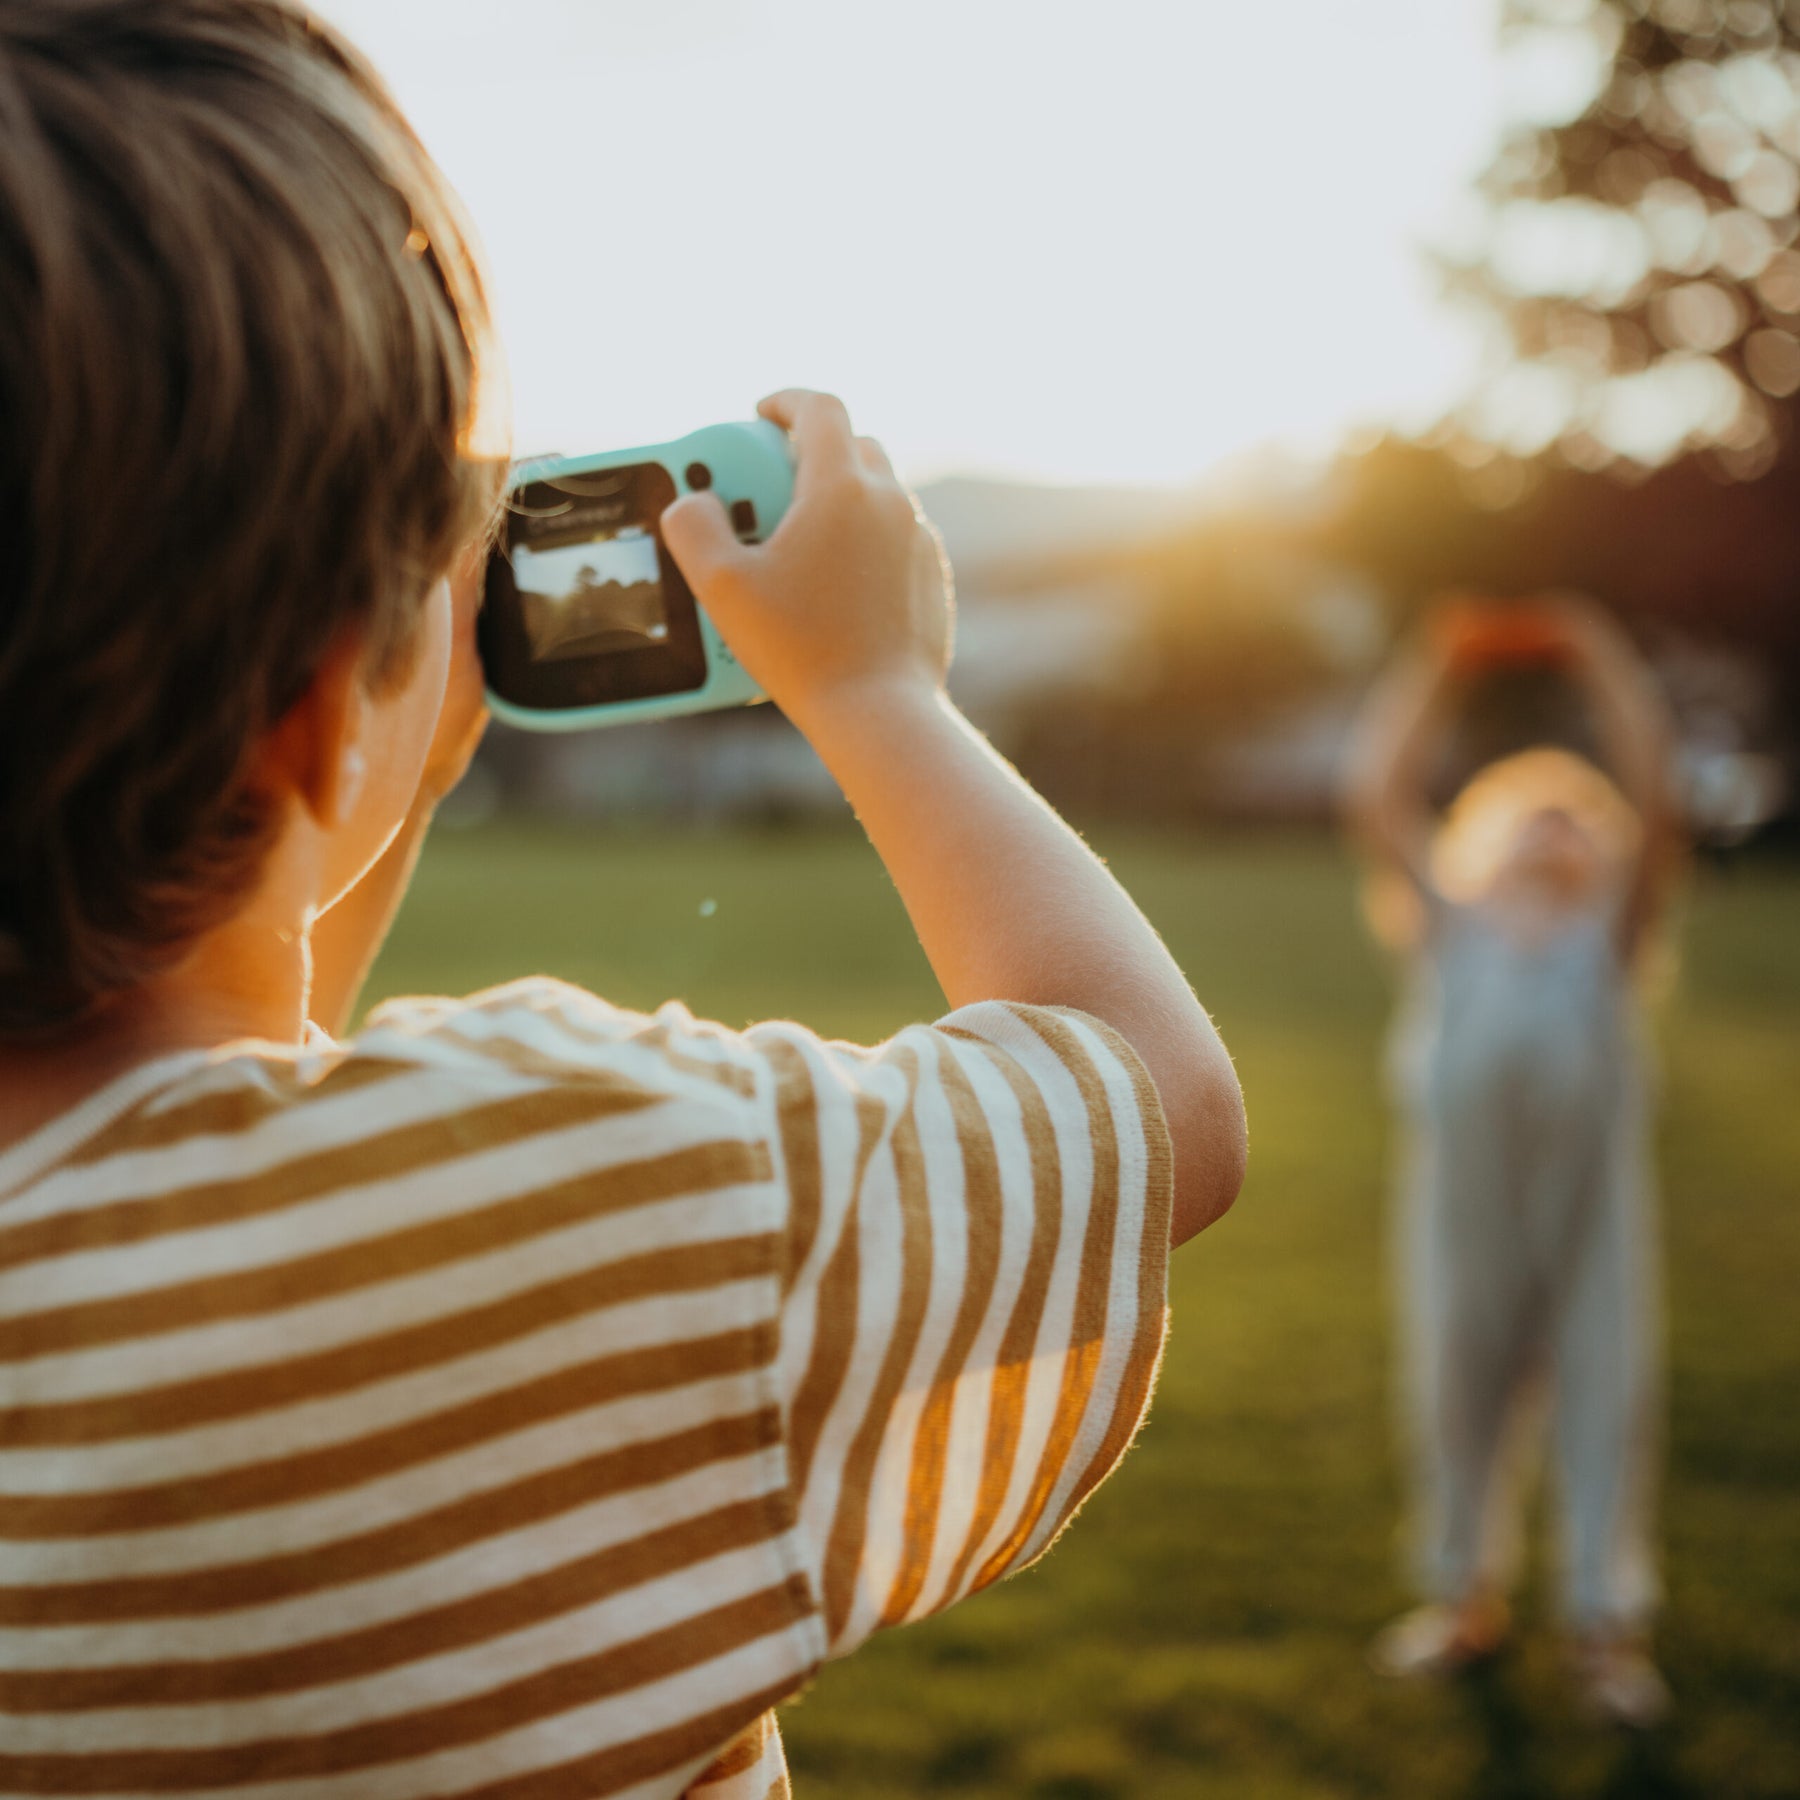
{"x":1517,"y":1763}
{"x":1643,"y":1771}
{"x":1509,"y":1766}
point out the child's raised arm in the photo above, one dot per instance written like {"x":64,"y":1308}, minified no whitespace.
{"x":1385,"y":777}
{"x":844,"y":617}
{"x":1637,"y":740}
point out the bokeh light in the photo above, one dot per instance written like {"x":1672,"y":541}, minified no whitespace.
{"x":1635,"y":246}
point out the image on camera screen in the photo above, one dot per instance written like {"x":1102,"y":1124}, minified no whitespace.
{"x":586,"y":599}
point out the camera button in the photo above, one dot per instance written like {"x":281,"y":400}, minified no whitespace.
{"x":698,"y":476}
{"x":743,"y":517}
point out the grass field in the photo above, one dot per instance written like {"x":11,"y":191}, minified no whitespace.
{"x":1200,"y":1631}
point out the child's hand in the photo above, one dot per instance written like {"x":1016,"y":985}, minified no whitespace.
{"x":1590,"y":634}
{"x":851,"y":590}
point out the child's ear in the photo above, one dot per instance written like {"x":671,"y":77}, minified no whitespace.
{"x":319,"y":751}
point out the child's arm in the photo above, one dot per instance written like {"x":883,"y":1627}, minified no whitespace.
{"x":844,"y":618}
{"x":1637,"y":739}
{"x":1385,"y":779}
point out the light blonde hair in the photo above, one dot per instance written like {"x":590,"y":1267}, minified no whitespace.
{"x":1484,"y":820}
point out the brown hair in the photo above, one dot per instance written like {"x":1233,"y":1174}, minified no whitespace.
{"x":239,"y":341}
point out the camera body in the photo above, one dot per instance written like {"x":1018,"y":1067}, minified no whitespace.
{"x":587,"y":621}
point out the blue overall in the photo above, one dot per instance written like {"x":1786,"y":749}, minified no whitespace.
{"x":1527,"y":1250}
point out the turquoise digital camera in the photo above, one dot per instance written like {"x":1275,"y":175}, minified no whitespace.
{"x":586,"y":619}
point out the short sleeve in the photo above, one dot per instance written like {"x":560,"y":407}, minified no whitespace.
{"x":975,"y":1295}
{"x":966,"y":1293}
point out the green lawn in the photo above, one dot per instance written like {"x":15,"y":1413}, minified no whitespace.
{"x":1200,"y":1631}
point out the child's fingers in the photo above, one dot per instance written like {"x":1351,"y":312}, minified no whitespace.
{"x":786,"y":405}
{"x":699,"y":534}
{"x":873,"y":458}
{"x":824,"y":444}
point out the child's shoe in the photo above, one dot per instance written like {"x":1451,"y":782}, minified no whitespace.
{"x":1441,"y":1639}
{"x":1618,"y":1683}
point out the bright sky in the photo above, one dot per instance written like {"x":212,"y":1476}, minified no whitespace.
{"x":1033,"y":237}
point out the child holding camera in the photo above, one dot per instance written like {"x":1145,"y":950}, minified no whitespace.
{"x":1528,"y":1247}
{"x":520,"y":1397}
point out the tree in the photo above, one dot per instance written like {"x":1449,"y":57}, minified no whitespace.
{"x":1641,"y":257}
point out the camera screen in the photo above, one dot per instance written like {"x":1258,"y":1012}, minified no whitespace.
{"x":585,"y":606}
{"x":586,"y":599}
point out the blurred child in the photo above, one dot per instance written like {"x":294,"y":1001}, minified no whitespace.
{"x":521,"y":1396}
{"x":1527,"y":1226}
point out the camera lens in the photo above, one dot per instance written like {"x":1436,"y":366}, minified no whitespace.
{"x":697,"y":475}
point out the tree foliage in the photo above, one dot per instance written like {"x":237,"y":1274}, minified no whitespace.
{"x":1642,"y":256}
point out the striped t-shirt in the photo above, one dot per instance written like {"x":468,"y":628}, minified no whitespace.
{"x":519,"y":1400}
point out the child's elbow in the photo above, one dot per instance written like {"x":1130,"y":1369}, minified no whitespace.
{"x":1211,"y":1145}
